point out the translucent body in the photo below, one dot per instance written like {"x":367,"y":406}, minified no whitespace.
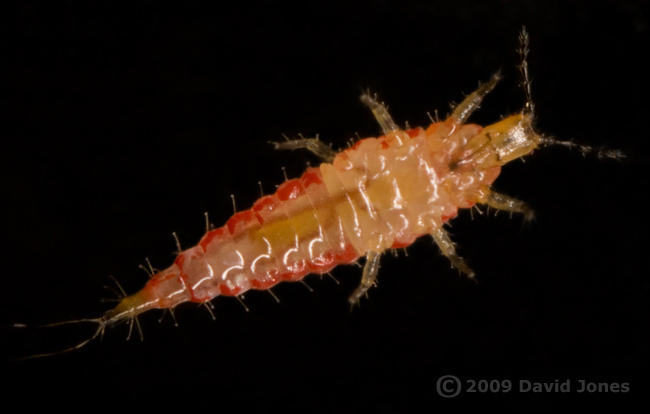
{"x":382,"y":193}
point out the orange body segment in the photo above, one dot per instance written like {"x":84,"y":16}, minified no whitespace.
{"x":382,"y":193}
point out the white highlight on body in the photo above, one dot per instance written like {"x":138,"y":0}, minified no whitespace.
{"x":224,"y":275}
{"x":313,"y":242}
{"x":295,"y":249}
{"x":357,"y":224}
{"x":209,"y":277}
{"x":398,"y":200}
{"x":268,"y":254}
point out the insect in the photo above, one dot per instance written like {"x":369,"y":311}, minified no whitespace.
{"x":380,"y":194}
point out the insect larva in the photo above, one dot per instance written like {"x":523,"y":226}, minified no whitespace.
{"x":379,"y":194}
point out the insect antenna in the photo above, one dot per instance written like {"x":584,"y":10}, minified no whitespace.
{"x":524,"y":42}
{"x":585,"y":149}
{"x":529,"y":108}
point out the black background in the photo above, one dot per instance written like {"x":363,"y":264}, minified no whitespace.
{"x":123,"y":124}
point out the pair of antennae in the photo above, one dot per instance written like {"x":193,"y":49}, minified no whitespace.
{"x":529,"y":108}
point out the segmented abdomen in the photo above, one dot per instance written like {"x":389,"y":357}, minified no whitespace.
{"x":284,"y":237}
{"x":382,"y":193}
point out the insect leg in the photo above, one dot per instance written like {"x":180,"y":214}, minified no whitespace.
{"x":370,"y":271}
{"x":314,"y":145}
{"x":381,"y":114}
{"x":505,"y":203}
{"x":473,"y":100}
{"x":448,"y":249}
